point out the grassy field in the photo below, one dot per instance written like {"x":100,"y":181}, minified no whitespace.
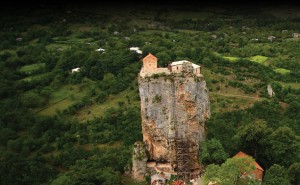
{"x":72,"y":40}
{"x":292,"y":85}
{"x":259,"y":59}
{"x":231,"y":59}
{"x":227,"y":98}
{"x":62,"y":98}
{"x":151,"y":32}
{"x":282,"y":71}
{"x":228,"y":102}
{"x":97,"y":110}
{"x":28,"y":69}
{"x":64,"y":43}
{"x":57,"y":46}
{"x":66,"y":91}
{"x":189,"y":31}
{"x":59,"y":106}
{"x":11,"y":51}
{"x":36,"y":77}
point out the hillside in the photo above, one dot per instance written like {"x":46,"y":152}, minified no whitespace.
{"x":64,"y":127}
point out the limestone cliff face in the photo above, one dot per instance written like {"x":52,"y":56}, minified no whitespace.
{"x":139,"y":159}
{"x":173,"y":105}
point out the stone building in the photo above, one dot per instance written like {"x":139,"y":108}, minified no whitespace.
{"x":295,"y":35}
{"x":150,"y":67}
{"x":178,"y":67}
{"x":149,"y":63}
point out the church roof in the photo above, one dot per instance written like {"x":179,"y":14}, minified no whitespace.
{"x":149,"y":56}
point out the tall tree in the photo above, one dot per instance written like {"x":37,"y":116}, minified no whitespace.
{"x":275,"y":175}
{"x":283,"y":144}
{"x":253,"y":140}
{"x":212,"y":151}
{"x":294,"y":173}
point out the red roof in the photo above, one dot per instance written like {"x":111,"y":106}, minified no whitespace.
{"x":178,"y":182}
{"x":242,"y":154}
{"x":149,"y":56}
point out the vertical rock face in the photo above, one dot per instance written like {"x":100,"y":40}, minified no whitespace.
{"x":139,"y":159}
{"x":173,"y":105}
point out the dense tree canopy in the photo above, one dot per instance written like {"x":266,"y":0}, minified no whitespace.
{"x":234,"y":170}
{"x":212,"y":151}
{"x":276,"y":174}
{"x":59,"y":127}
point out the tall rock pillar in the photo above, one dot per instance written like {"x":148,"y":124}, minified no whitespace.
{"x":174,"y":105}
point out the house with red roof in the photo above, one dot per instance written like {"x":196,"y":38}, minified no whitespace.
{"x":258,"y":172}
{"x":178,"y":182}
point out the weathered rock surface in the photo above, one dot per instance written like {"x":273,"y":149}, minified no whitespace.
{"x":173,"y":105}
{"x":139,"y":160}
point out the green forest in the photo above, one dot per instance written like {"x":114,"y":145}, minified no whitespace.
{"x":59,"y":127}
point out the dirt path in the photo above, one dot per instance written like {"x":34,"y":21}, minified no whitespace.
{"x":236,"y":95}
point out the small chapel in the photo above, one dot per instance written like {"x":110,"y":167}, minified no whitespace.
{"x":150,"y":67}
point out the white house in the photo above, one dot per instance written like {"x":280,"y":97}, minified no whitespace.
{"x":136,"y":49}
{"x":100,"y":49}
{"x":139,"y":51}
{"x":295,"y":35}
{"x":75,"y":70}
{"x":271,"y":37}
{"x":177,"y":67}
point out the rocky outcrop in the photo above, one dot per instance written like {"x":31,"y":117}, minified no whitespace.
{"x":139,"y":161}
{"x":173,"y":105}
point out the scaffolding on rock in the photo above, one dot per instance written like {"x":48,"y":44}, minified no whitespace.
{"x":182,"y":159}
